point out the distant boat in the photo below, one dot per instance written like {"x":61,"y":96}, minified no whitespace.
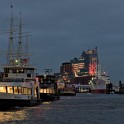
{"x":98,"y":83}
{"x":119,"y":89}
{"x":48,"y":86}
{"x":68,"y":93}
{"x":18,"y":83}
{"x":82,"y":88}
{"x":68,"y":90}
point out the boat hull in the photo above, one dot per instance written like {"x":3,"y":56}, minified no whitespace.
{"x":99,"y":91}
{"x":98,"y":86}
{"x":67,"y":93}
{"x":49,"y":97}
{"x":9,"y":103}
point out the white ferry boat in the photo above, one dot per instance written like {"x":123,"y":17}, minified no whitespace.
{"x":19,"y":85}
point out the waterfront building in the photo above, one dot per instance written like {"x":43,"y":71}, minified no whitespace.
{"x":79,"y":71}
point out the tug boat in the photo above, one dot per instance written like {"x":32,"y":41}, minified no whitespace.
{"x":19,"y":85}
{"x":48,"y":86}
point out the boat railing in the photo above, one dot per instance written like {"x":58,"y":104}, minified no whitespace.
{"x":12,"y":80}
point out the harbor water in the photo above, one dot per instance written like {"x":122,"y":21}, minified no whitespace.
{"x":79,"y":109}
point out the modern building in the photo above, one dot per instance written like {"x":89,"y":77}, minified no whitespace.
{"x":80,"y":70}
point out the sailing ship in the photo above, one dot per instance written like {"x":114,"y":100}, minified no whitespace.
{"x":19,"y":85}
{"x":48,"y":86}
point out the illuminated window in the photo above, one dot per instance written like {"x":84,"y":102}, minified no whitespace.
{"x":51,"y":90}
{"x":48,"y":90}
{"x":41,"y":91}
{"x":10,"y":89}
{"x":3,"y":89}
{"x":29,"y":91}
{"x":36,"y":92}
{"x":24,"y":90}
{"x":19,"y":90}
{"x":44,"y":90}
{"x":15,"y":90}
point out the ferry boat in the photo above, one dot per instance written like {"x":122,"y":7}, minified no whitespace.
{"x":19,"y":85}
{"x":48,"y":86}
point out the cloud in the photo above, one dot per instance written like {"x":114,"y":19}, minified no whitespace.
{"x":62,"y":29}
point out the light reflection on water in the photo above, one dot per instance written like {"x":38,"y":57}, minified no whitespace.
{"x":12,"y":115}
{"x":26,"y":115}
{"x":80,"y":109}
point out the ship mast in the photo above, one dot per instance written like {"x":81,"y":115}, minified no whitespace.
{"x":97,"y":63}
{"x":20,"y":39}
{"x":10,"y":47}
{"x":27,"y":55}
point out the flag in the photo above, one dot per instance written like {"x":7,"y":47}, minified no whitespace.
{"x":24,"y":60}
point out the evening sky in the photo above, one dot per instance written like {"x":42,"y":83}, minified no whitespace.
{"x":62,"y":29}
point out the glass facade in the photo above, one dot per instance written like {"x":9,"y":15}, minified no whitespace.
{"x":78,"y":68}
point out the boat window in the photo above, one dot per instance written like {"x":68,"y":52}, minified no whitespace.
{"x":6,"y":75}
{"x":41,"y":91}
{"x":28,"y":75}
{"x":14,"y":71}
{"x":29,"y":91}
{"x":19,"y":90}
{"x":14,"y":80}
{"x":30,"y":70}
{"x":24,"y":90}
{"x":17,"y":70}
{"x":41,"y":80}
{"x":22,"y":71}
{"x":44,"y":90}
{"x":25,"y":70}
{"x":3,"y":89}
{"x":10,"y":71}
{"x":29,"y":80}
{"x":6,"y":70}
{"x":15,"y":90}
{"x":48,"y":91}
{"x":52,"y":90}
{"x":10,"y":89}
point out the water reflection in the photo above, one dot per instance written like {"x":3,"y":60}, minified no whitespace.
{"x":12,"y":115}
{"x":82,"y":108}
{"x":25,"y":115}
